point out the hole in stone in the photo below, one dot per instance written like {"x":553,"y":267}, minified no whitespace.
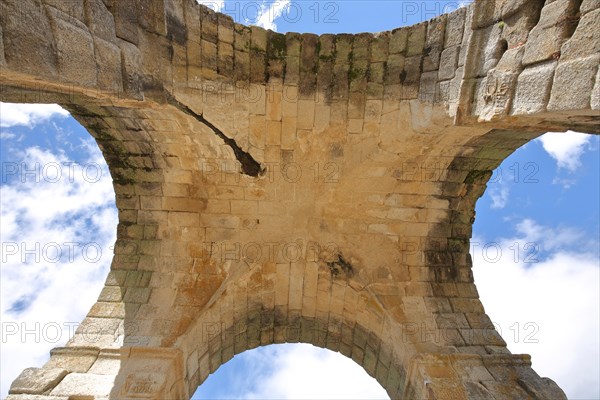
{"x":500,"y":49}
{"x":58,"y":226}
{"x":290,"y":371}
{"x":535,"y":252}
{"x":572,"y":19}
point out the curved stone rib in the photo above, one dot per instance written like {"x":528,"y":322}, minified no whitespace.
{"x":249,"y":165}
{"x":395,"y":135}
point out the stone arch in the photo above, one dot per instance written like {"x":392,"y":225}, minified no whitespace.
{"x":330,"y":312}
{"x":201,"y":120}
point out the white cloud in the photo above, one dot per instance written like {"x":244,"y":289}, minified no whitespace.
{"x":44,"y":214}
{"x":499,"y":193}
{"x":546,"y":304}
{"x":216,"y":5}
{"x":565,"y":147}
{"x":269,"y":12}
{"x":301,"y":371}
{"x":7,"y":135}
{"x":28,"y":114}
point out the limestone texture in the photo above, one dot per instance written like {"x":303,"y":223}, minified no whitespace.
{"x":297,"y":188}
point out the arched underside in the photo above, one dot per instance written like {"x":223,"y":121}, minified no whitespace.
{"x":278,"y":188}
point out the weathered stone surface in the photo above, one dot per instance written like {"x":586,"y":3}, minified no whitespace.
{"x":573,"y":84}
{"x":281,"y":188}
{"x":448,"y":63}
{"x":78,"y":359}
{"x":517,"y":27}
{"x":75,"y":49}
{"x":76,"y":384}
{"x":108,"y":64}
{"x":416,"y":39}
{"x":595,"y":102}
{"x":28,"y":42}
{"x":533,"y":89}
{"x":126,"y":19}
{"x":589,"y":5}
{"x":489,"y":50}
{"x":455,"y":26}
{"x":2,"y":59}
{"x":585,"y":40}
{"x":99,"y":20}
{"x":434,"y":43}
{"x":556,"y":23}
{"x":131,"y":64}
{"x":74,"y":8}
{"x":37,"y":380}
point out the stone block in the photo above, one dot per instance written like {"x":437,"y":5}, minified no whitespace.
{"x":131,"y":62}
{"x":434,"y":43}
{"x":586,"y":39}
{"x":151,"y":16}
{"x":484,"y":14}
{"x":488,"y":51}
{"x":100,"y":21}
{"x":27,"y":38}
{"x":448,"y":63}
{"x":126,"y":20}
{"x":72,"y":359}
{"x":455,"y":25}
{"x":509,"y":7}
{"x":558,"y":13}
{"x":416,"y":39}
{"x":108,"y":64}
{"x":210,"y":25}
{"x":37,"y":380}
{"x":74,"y":49}
{"x":398,"y":40}
{"x":177,"y":31}
{"x":543,"y":44}
{"x":77,"y":384}
{"x":380,"y":48}
{"x":589,"y":5}
{"x":225,"y":29}
{"x":395,"y":66}
{"x":573,"y":84}
{"x":72,"y":7}
{"x":428,"y":90}
{"x":516,"y":28}
{"x":533,"y":89}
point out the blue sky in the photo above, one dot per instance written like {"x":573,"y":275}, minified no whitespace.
{"x":535,"y":245}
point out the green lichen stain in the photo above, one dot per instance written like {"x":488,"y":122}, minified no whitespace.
{"x":277,"y":47}
{"x":477,"y":176}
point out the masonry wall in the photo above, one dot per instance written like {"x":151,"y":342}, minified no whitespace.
{"x":280,"y":188}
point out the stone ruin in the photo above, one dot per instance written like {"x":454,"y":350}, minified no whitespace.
{"x":280,"y":188}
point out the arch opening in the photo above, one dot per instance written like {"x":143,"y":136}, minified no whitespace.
{"x":58,"y":229}
{"x":164,"y":209}
{"x":535,"y":256}
{"x":294,"y":371}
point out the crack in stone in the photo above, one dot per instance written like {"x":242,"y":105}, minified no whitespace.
{"x":250,"y":166}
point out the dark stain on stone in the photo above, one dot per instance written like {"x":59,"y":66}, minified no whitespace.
{"x":340,"y":265}
{"x":250,"y":166}
{"x":476,"y":176}
{"x":177,"y":31}
{"x":336,"y":150}
{"x":403,"y":76}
